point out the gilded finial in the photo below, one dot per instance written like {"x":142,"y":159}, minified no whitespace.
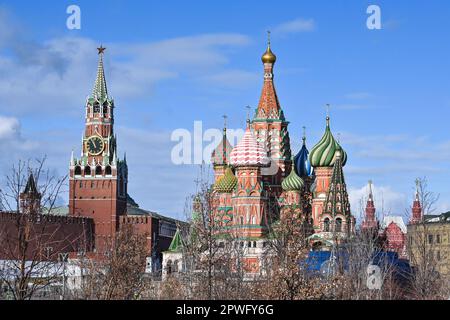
{"x":248,"y":115}
{"x":268,"y":56}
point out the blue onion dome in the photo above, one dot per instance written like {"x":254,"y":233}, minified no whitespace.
{"x":301,"y":163}
{"x":227,"y":183}
{"x":292,"y":182}
{"x":324,"y":152}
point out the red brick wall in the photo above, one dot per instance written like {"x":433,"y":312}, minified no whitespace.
{"x":47,"y":235}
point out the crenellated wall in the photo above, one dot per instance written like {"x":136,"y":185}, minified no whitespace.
{"x":45,"y":236}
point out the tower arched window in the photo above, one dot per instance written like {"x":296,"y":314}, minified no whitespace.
{"x":96,"y":107}
{"x":78,"y":171}
{"x":98,"y":171}
{"x":108,"y":171}
{"x":338,"y":225}
{"x":105,"y":108}
{"x":326,"y":225}
{"x":169,"y":267}
{"x":87,"y":171}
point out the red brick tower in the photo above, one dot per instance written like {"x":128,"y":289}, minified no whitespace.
{"x":271,"y":129}
{"x":417,"y":215}
{"x":249,"y":199}
{"x":98,"y":180}
{"x":370,"y":223}
{"x":30,"y":198}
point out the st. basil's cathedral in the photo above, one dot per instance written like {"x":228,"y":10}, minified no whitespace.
{"x":259,"y":179}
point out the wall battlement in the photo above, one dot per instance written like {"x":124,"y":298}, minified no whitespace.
{"x":46,"y":218}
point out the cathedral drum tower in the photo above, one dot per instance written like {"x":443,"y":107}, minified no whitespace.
{"x":271,"y":130}
{"x":98,"y":180}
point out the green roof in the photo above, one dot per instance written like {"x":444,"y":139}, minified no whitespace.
{"x":177,"y":242}
{"x":100,"y":91}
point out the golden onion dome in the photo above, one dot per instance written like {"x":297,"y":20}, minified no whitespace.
{"x":269,"y":56}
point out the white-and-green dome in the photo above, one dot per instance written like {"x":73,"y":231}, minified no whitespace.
{"x":292,"y":182}
{"x":324,"y":152}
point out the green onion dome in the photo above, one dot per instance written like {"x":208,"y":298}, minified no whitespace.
{"x":324,"y":152}
{"x":227,"y":182}
{"x":292,"y":182}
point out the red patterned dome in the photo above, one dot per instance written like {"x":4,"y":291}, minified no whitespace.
{"x":248,"y":152}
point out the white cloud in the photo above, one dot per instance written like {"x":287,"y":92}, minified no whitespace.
{"x":295,"y":26}
{"x":232,"y":79}
{"x":9,"y":127}
{"x":62,"y":70}
{"x":358,"y":96}
{"x":387,"y":201}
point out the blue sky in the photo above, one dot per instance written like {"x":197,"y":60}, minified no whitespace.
{"x":171,"y":63}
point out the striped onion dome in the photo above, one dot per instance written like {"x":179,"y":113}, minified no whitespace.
{"x":248,"y":152}
{"x":324,"y":152}
{"x":292,"y":182}
{"x":227,"y":182}
{"x":301,"y":161}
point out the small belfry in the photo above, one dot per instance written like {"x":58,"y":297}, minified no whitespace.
{"x":417,"y":214}
{"x":30,"y":198}
{"x":98,"y":180}
{"x":370,"y":223}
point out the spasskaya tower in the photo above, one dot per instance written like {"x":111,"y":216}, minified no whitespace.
{"x":98,"y":180}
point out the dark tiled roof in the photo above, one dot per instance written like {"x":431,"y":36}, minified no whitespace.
{"x":31,"y":185}
{"x":134,"y":210}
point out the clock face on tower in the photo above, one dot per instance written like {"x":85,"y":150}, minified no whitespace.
{"x":95,"y":145}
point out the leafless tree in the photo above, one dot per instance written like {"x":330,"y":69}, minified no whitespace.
{"x":30,"y":241}
{"x":426,"y":282}
{"x":211,"y":265}
{"x":119,"y":274}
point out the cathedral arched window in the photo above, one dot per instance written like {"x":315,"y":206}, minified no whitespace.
{"x":98,"y":171}
{"x":78,"y":171}
{"x":338,"y":225}
{"x":326,"y":225}
{"x":87,"y":171}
